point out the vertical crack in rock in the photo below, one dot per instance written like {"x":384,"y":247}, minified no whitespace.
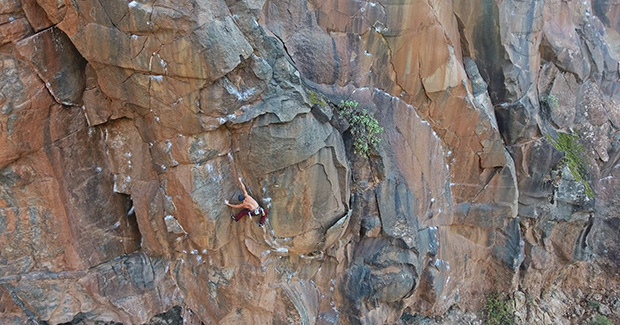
{"x":465,"y":46}
{"x":390,"y":60}
{"x":494,"y":172}
{"x":582,"y":249}
{"x":132,"y":223}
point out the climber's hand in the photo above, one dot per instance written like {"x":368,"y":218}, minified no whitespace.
{"x":226,"y":201}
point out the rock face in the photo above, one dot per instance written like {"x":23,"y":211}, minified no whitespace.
{"x":124,"y":125}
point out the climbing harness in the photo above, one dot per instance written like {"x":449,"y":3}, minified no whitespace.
{"x":257,"y":212}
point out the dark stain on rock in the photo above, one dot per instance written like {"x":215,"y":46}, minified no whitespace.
{"x":489,"y":55}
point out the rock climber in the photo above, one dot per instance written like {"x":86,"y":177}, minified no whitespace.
{"x":249,"y":206}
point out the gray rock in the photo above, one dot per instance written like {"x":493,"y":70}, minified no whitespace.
{"x":297,"y":141}
{"x":479,"y":86}
{"x":371,"y":225}
{"x":616,"y":306}
{"x":604,"y":309}
{"x":579,"y":294}
{"x":397,"y":208}
{"x":322,"y":113}
{"x":510,"y":251}
{"x":517,"y":121}
{"x":561,"y":101}
{"x":380,"y":253}
{"x":579,"y":310}
{"x":389,"y":270}
{"x":358,"y":283}
{"x":392,"y":284}
{"x":171,"y":317}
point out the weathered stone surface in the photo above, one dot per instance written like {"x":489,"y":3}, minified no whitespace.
{"x":124,"y":286}
{"x":11,"y":313}
{"x":55,"y":10}
{"x":119,"y":36}
{"x":37,"y":18}
{"x":25,"y":107}
{"x":40,"y":178}
{"x":380,"y":274}
{"x":13,"y":29}
{"x":57,"y":63}
{"x":559,"y":103}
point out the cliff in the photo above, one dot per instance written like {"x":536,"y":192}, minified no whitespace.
{"x":124,"y":125}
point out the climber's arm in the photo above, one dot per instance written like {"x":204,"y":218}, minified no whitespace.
{"x":245,"y":192}
{"x":234,"y":206}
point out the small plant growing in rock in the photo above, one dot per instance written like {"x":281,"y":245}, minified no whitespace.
{"x":550,"y":100}
{"x":599,"y":319}
{"x":573,"y":158}
{"x":594,"y":304}
{"x":498,"y":310}
{"x":316,"y":99}
{"x":365,"y":128}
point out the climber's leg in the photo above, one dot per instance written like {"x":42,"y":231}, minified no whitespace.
{"x":241,"y":214}
{"x":262,"y":218}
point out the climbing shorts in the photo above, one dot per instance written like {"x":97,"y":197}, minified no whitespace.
{"x":258,"y":212}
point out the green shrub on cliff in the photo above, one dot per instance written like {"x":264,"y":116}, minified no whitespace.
{"x":498,"y":311}
{"x":599,"y":319}
{"x":573,"y":158}
{"x":364,"y":127}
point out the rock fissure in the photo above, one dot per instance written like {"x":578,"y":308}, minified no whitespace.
{"x":288,"y":55}
{"x":393,"y":67}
